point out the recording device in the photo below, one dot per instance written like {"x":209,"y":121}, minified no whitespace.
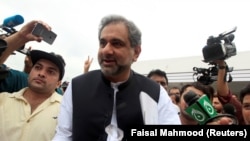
{"x":12,"y":21}
{"x":201,"y":109}
{"x":41,"y":31}
{"x":221,"y":47}
{"x":8,"y":26}
{"x":209,"y":75}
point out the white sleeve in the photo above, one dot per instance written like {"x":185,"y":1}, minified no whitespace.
{"x":64,"y":125}
{"x":167,"y":113}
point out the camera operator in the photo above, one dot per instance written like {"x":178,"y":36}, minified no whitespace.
{"x":224,"y":93}
{"x":216,"y":51}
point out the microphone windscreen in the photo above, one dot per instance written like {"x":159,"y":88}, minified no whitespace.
{"x":13,"y":21}
{"x":190,"y":98}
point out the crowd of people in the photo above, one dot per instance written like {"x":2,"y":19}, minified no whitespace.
{"x":100,"y":104}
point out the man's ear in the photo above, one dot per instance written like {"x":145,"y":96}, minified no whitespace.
{"x":137,"y":53}
{"x":59,"y":83}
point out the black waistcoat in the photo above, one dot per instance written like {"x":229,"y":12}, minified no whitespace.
{"x":93,"y":96}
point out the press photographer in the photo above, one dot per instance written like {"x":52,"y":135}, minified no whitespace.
{"x":217,"y":50}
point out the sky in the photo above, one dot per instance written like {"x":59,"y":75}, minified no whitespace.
{"x":170,"y":28}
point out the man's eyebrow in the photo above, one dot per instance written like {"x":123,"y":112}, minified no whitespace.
{"x":50,"y":67}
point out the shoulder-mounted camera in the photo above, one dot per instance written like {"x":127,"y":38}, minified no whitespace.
{"x":220,"y":48}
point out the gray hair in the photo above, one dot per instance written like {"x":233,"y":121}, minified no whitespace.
{"x":134,"y":34}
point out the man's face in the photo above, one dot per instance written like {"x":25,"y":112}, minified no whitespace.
{"x":217,"y":104}
{"x":246,"y":109}
{"x":160,"y":80}
{"x":44,"y":77}
{"x":115,"y":53}
{"x":174,"y":92}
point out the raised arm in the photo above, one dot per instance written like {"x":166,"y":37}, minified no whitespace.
{"x":222,"y":85}
{"x":87,"y":64}
{"x":18,"y":39}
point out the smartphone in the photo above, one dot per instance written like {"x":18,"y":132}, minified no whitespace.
{"x":48,"y":36}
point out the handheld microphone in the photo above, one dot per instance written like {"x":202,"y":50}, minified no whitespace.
{"x":200,"y":108}
{"x":12,"y":21}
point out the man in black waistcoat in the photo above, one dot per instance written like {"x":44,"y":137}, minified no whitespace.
{"x":102,"y":105}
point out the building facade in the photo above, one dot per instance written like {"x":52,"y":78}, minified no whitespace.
{"x":181,"y":70}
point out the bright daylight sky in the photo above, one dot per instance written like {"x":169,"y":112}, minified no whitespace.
{"x":170,"y":28}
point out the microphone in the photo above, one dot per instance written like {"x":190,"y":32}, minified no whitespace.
{"x":199,"y":108}
{"x":12,"y":21}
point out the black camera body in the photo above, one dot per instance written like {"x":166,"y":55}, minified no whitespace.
{"x":206,"y":75}
{"x":220,"y":48}
{"x":209,"y":75}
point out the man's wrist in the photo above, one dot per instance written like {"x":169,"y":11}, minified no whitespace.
{"x":222,"y":67}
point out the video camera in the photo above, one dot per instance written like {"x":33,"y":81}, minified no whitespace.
{"x":220,"y":48}
{"x":7,"y":29}
{"x":208,"y":75}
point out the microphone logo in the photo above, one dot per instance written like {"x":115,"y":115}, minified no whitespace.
{"x":200,"y":108}
{"x":199,"y":116}
{"x":209,"y":107}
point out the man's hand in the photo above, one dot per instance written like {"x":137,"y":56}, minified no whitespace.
{"x":26,"y":31}
{"x":20,"y":38}
{"x":87,"y":64}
